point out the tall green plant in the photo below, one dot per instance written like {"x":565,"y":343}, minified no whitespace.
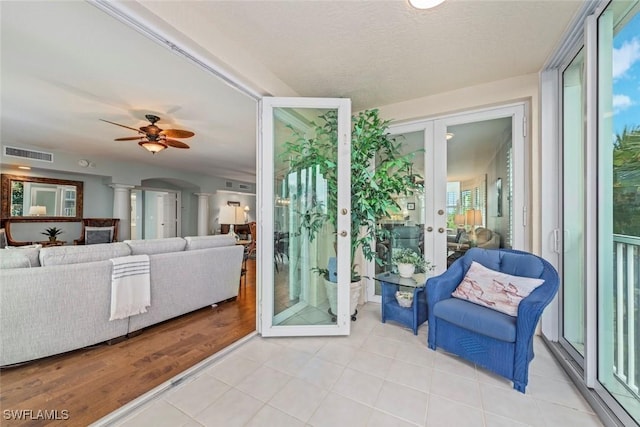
{"x":379,"y":173}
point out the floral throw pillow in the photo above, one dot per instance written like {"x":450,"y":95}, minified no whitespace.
{"x":493,"y":289}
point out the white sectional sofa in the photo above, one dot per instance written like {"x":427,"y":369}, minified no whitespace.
{"x":57,"y":299}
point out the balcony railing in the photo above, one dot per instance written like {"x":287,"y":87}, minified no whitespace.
{"x":627,"y":314}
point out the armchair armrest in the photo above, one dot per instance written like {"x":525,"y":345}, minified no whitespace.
{"x":441,"y":287}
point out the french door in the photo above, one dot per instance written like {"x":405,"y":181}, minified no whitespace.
{"x":475,"y":189}
{"x":304,"y":209}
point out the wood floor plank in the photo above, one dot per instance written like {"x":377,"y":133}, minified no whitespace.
{"x":93,"y":382}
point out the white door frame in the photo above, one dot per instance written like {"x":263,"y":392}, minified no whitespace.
{"x":265,"y":232}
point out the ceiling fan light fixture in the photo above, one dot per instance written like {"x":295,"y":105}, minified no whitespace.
{"x":153,"y":146}
{"x":425,"y":4}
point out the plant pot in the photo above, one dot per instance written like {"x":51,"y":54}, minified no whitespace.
{"x":406,"y":270}
{"x":52,"y":238}
{"x":332,"y":296}
{"x":405,"y":299}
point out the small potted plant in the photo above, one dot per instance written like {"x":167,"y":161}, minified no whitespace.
{"x":404,"y":298}
{"x":408,"y":262}
{"x":53,"y":233}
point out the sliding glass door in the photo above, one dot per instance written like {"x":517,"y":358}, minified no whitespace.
{"x":618,"y":154}
{"x":573,"y":206}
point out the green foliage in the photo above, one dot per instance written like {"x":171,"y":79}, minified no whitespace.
{"x":52,"y":232}
{"x":626,"y":182}
{"x":379,"y":172}
{"x":408,"y":256}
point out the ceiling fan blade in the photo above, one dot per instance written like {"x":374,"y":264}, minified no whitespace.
{"x":128,"y":138}
{"x":175,"y":144}
{"x":118,"y":124}
{"x":177,"y":133}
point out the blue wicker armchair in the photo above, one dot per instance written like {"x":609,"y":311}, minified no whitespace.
{"x":490,"y":339}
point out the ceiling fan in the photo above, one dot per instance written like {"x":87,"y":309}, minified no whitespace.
{"x":153,"y":138}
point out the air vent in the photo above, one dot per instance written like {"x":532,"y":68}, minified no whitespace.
{"x":244,"y":187}
{"x":228,"y":184}
{"x":22,"y":153}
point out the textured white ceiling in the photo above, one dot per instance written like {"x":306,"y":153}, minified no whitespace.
{"x":381,"y":52}
{"x":67,"y":64}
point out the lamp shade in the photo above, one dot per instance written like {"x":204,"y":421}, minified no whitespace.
{"x":231,"y":215}
{"x":153,"y":146}
{"x":458,"y":219}
{"x":474,"y":217}
{"x":37,"y":210}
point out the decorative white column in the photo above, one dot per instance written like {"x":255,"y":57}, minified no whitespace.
{"x":122,"y":209}
{"x":203,"y":213}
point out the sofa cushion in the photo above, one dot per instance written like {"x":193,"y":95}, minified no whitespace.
{"x":156,"y":246}
{"x":205,"y":242}
{"x":494,"y":289}
{"x":32,"y":252}
{"x":94,"y":235}
{"x":60,"y":255}
{"x":14,"y":259}
{"x":477,"y":318}
{"x":3,"y":238}
{"x":483,"y":235}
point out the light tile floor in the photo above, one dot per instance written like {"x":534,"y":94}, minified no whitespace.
{"x":381,"y":375}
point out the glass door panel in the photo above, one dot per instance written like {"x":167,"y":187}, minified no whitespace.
{"x":573,"y":219}
{"x":405,"y":227}
{"x":479,"y":186}
{"x":305,"y":267}
{"x":619,"y":204}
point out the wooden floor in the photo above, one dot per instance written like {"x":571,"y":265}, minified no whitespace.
{"x":91,"y":383}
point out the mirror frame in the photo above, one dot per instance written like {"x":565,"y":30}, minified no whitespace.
{"x":5,"y":209}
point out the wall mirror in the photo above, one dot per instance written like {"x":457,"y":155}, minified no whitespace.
{"x":39,"y":199}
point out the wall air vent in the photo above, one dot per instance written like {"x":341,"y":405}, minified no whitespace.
{"x":23,"y":153}
{"x":244,"y":187}
{"x":228,"y":184}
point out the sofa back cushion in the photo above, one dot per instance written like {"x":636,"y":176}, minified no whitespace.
{"x":483,"y":235}
{"x":60,"y":255}
{"x":31,"y":252}
{"x":156,"y":246}
{"x":13,"y":259}
{"x":205,"y":242}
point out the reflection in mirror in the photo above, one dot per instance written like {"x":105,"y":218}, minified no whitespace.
{"x":29,"y":197}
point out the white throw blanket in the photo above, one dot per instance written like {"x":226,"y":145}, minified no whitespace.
{"x":130,"y":286}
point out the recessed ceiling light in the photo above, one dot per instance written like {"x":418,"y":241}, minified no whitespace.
{"x":425,"y":4}
{"x":27,"y":168}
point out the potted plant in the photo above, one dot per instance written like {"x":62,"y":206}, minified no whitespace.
{"x":408,"y":261}
{"x":53,"y":233}
{"x":380,"y":172}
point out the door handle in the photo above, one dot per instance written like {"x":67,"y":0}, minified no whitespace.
{"x":344,"y":233}
{"x":440,"y":230}
{"x":429,"y":229}
{"x":440,"y":212}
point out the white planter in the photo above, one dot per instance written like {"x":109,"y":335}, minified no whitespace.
{"x":354,"y":296}
{"x":406,"y":270}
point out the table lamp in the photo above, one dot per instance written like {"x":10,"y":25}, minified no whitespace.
{"x":231,"y":215}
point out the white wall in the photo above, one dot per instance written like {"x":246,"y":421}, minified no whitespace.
{"x":522,"y":88}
